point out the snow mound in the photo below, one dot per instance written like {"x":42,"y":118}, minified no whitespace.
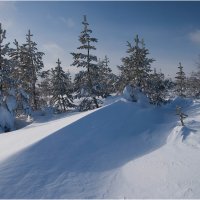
{"x":128,"y":93}
{"x":190,"y":133}
{"x":122,"y":150}
{"x":6,"y":120}
{"x":135,"y":95}
{"x":79,"y":160}
{"x":172,"y":171}
{"x":179,"y":101}
{"x":11,"y":101}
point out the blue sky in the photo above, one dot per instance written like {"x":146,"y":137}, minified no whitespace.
{"x":171,"y":30}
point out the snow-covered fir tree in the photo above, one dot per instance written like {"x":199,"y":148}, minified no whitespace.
{"x":22,"y":97}
{"x":136,"y":65}
{"x":61,"y":89}
{"x":16,"y":62}
{"x":31,"y":65}
{"x":103,"y":79}
{"x":193,"y":85}
{"x":23,"y":103}
{"x":7,"y":93}
{"x":81,"y":84}
{"x":157,"y":88}
{"x":106,"y":80}
{"x":180,"y":81}
{"x":87,"y":60}
{"x":5,"y":64}
{"x":44,"y":89}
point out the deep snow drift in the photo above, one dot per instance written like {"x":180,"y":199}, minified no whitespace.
{"x":122,"y":150}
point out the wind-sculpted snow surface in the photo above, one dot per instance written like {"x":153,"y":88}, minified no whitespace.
{"x":105,"y":153}
{"x":171,"y":171}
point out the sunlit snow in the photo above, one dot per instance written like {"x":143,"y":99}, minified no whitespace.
{"x":122,"y":150}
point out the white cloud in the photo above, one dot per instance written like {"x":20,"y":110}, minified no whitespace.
{"x":7,"y":14}
{"x":195,"y":36}
{"x":7,"y":23}
{"x":69,"y":22}
{"x":52,"y":52}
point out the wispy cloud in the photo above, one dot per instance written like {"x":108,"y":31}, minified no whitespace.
{"x":69,"y":22}
{"x":7,"y":13}
{"x":7,"y":23}
{"x":195,"y":36}
{"x":53,"y":51}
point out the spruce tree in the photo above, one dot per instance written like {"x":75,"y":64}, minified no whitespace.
{"x":31,"y":65}
{"x":80,"y":84}
{"x":15,"y":55}
{"x":87,"y":60}
{"x":136,"y":65}
{"x":18,"y":75}
{"x":106,"y":79}
{"x":44,"y":89}
{"x":180,"y":81}
{"x":157,"y":88}
{"x":193,"y":85}
{"x":5,"y":63}
{"x":7,"y":93}
{"x":61,"y":88}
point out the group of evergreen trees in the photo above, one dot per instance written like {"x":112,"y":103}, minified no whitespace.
{"x":187,"y":86}
{"x":25,"y":86}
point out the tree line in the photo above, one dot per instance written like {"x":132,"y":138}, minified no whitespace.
{"x":26,"y":87}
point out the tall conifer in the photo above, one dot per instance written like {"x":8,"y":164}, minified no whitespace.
{"x":87,"y":60}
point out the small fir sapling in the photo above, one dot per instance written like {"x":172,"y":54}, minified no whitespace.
{"x":181,"y":115}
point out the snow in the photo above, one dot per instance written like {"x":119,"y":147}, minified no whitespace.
{"x":16,"y":141}
{"x":169,"y":172}
{"x":7,"y":108}
{"x":122,"y":150}
{"x":11,"y":103}
{"x":6,"y":120}
{"x":128,"y":93}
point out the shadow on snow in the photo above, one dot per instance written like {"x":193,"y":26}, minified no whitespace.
{"x":101,"y":141}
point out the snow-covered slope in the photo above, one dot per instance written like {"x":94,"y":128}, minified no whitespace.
{"x":122,"y":150}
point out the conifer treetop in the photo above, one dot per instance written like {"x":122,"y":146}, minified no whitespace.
{"x":58,"y":62}
{"x":180,"y":73}
{"x":137,"y":41}
{"x":180,"y":66}
{"x":85,"y":38}
{"x":180,"y":81}
{"x":84,"y":59}
{"x":85,"y":23}
{"x":29,"y":35}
